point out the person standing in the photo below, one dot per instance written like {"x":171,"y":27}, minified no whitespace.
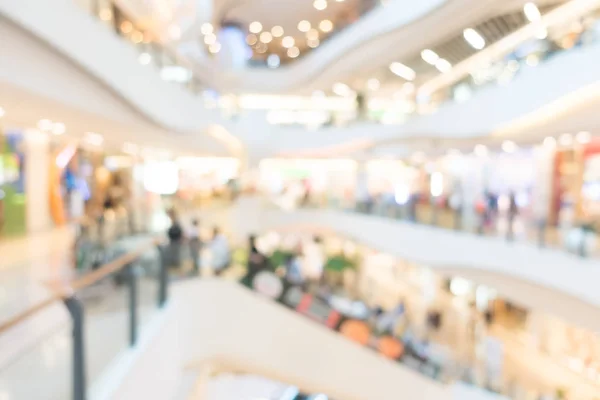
{"x":257,"y":262}
{"x":175,"y":236}
{"x":195,"y":246}
{"x":220,"y":251}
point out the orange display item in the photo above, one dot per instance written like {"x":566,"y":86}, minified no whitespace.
{"x":356,"y":331}
{"x":390,"y":347}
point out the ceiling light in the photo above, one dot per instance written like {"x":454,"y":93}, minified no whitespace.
{"x":312,"y":34}
{"x":341,"y":89}
{"x":480,"y":150}
{"x":403,"y":71}
{"x":550,"y":142}
{"x":429,"y":56}
{"x":261,"y":47}
{"x":130,"y":148}
{"x":293,"y":52}
{"x":303,"y":26}
{"x":137,"y":37}
{"x":313,"y":43}
{"x":126,"y":27}
{"x":106,"y":14}
{"x":326,"y":26}
{"x":509,"y":146}
{"x":565,"y":139}
{"x":474,"y":38}
{"x":443,"y":65}
{"x":532,"y":12}
{"x":287,"y":42}
{"x":320,"y":4}
{"x":210,"y":39}
{"x":266,"y":37}
{"x":206,"y":28}
{"x":58,"y":128}
{"x":94,"y":139}
{"x":214,"y":48}
{"x":44,"y":125}
{"x":373,"y":84}
{"x":255,"y":27}
{"x":251,"y":39}
{"x":174,"y":32}
{"x":273,"y":61}
{"x":583,"y":137}
{"x":277,"y":31}
{"x":145,"y":58}
{"x":2,"y":112}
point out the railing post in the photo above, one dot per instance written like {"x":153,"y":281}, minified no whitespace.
{"x":75,"y":308}
{"x":131,"y":271}
{"x":162,"y":276}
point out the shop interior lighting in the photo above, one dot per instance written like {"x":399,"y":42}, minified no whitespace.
{"x":44,"y":125}
{"x":273,"y":61}
{"x":255,"y":27}
{"x":341,"y":89}
{"x":549,"y":142}
{"x":145,"y":58}
{"x":474,"y":38}
{"x":209,"y":39}
{"x":95,"y":139}
{"x":429,"y":56}
{"x":304,"y":26}
{"x":293,"y":52}
{"x":403,"y":71}
{"x":58,"y":128}
{"x":443,"y":65}
{"x":320,"y":4}
{"x":266,"y":37}
{"x":508,"y":146}
{"x":312,"y":34}
{"x":206,"y":28}
{"x":313,"y":43}
{"x":436,"y":186}
{"x":2,"y":112}
{"x":480,"y":150}
{"x":214,"y":48}
{"x":532,"y":12}
{"x":373,"y":84}
{"x":326,"y":26}
{"x":130,"y":148}
{"x":277,"y":31}
{"x":288,"y":42}
{"x":251,"y":39}
{"x":583,"y":137}
{"x":565,"y":139}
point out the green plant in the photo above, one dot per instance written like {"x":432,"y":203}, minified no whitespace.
{"x":279,"y":257}
{"x":339,"y":263}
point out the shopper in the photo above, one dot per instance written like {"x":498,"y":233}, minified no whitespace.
{"x":195,"y":245}
{"x":175,"y":236}
{"x":257,"y":262}
{"x":513,"y":210}
{"x":221,"y":255}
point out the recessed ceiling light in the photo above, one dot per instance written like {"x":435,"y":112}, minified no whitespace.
{"x":137,"y":37}
{"x":2,"y":112}
{"x":583,"y":137}
{"x":326,"y":26}
{"x":287,"y":42}
{"x":565,"y":139}
{"x":373,"y":84}
{"x":403,"y":71}
{"x":58,"y":128}
{"x":443,"y":65}
{"x":509,"y":146}
{"x":480,"y":150}
{"x":277,"y":31}
{"x":273,"y":61}
{"x":145,"y":58}
{"x":303,"y":26}
{"x":532,"y":12}
{"x":44,"y":125}
{"x":429,"y":56}
{"x":266,"y":37}
{"x":313,"y":43}
{"x":126,"y":26}
{"x":549,"y":142}
{"x":293,"y":52}
{"x":255,"y":27}
{"x":251,"y":39}
{"x":206,"y":28}
{"x":93,"y":138}
{"x":320,"y":4}
{"x":474,"y":38}
{"x":214,"y":48}
{"x":341,"y":89}
{"x":312,"y":34}
{"x":210,"y":39}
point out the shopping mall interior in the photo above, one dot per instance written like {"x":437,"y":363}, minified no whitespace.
{"x":225,"y":200}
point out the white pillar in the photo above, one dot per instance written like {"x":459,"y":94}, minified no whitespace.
{"x":37,"y":185}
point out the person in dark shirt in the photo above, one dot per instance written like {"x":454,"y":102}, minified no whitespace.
{"x":257,"y":262}
{"x":175,"y":236}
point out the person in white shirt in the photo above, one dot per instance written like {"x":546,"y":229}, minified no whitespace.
{"x":221,"y":256}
